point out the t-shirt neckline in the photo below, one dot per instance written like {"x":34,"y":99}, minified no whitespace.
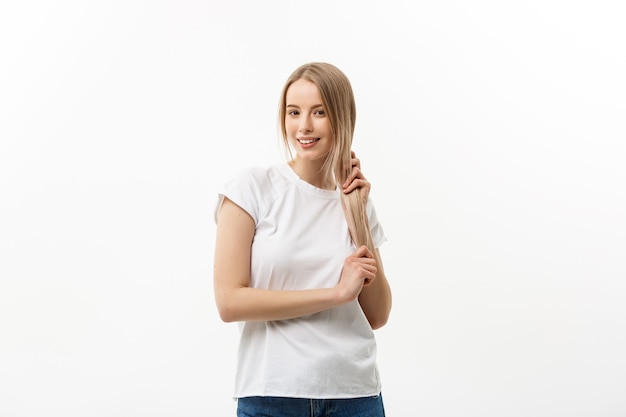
{"x":288,"y":172}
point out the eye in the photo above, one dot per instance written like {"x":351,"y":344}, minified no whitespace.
{"x":293,"y":112}
{"x":319,"y":112}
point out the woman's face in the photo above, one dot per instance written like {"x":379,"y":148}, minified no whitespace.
{"x":306,"y":123}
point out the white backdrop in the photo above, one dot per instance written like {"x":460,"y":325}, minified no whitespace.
{"x":492,"y":132}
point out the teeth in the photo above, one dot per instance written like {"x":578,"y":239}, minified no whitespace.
{"x":306,"y":142}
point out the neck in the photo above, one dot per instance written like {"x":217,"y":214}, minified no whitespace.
{"x":311,"y":172}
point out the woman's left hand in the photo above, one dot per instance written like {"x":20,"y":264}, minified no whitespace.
{"x":356,"y":179}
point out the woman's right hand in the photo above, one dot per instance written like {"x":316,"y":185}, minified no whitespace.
{"x":359,"y":269}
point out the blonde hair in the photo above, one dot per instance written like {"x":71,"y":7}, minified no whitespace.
{"x":338,"y":99}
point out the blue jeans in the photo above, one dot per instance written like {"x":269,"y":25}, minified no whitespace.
{"x":302,"y":407}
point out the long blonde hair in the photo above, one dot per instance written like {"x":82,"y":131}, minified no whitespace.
{"x":338,"y":100}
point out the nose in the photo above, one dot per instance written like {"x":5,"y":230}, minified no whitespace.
{"x":305,"y":124}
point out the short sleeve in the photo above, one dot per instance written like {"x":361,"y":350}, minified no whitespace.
{"x":376,"y":229}
{"x":244,"y":190}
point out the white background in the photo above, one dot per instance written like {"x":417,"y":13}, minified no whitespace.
{"x":493,"y":134}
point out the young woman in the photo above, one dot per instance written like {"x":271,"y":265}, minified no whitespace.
{"x":297,"y":263}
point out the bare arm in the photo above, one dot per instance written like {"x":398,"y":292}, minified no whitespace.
{"x":237,"y":301}
{"x":375,"y":299}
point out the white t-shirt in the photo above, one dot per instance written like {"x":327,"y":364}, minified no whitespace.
{"x":301,"y":241}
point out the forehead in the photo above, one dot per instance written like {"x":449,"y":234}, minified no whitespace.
{"x":303,"y":92}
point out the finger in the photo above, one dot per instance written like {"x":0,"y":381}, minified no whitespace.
{"x":367,"y":280}
{"x":363,"y":252}
{"x":360,"y":252}
{"x":363,"y":184}
{"x":368,"y":271}
{"x":367,"y":263}
{"x":356,"y":173}
{"x":369,"y":267}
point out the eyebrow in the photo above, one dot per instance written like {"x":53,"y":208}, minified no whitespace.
{"x":315,"y":106}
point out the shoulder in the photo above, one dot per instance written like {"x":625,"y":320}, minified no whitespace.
{"x":253,"y":189}
{"x":257,"y":179}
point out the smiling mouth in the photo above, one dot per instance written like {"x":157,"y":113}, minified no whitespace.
{"x":308,"y":140}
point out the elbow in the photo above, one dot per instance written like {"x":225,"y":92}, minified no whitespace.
{"x":226,"y":316}
{"x":378,"y":322}
{"x":230,"y":305}
{"x":379,"y":318}
{"x":226,"y":312}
